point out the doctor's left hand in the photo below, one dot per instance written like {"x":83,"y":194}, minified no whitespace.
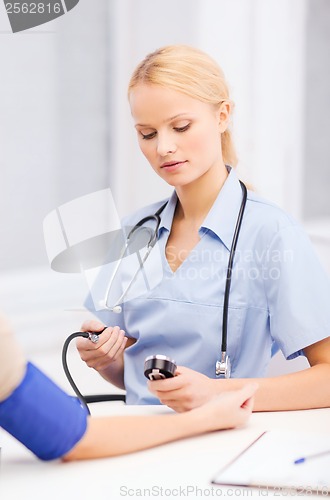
{"x":188,"y":389}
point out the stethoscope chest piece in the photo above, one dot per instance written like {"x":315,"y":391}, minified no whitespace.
{"x":223,"y":367}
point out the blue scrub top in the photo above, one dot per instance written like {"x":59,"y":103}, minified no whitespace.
{"x":279,"y":296}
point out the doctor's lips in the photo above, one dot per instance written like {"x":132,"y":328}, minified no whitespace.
{"x":172,"y":165}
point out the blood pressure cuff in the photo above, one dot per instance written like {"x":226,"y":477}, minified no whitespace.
{"x":42,"y":416}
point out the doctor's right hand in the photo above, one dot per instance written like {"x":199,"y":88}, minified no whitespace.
{"x":107,"y":350}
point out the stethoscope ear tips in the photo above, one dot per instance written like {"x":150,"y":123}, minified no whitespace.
{"x":116,"y":309}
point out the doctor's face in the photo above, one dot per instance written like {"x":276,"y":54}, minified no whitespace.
{"x":180,"y":136}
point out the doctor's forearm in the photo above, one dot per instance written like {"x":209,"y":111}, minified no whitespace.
{"x":114,"y":373}
{"x":305,"y":389}
{"x":301,"y":390}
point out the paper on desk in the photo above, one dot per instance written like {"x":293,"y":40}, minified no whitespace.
{"x":269,"y":462}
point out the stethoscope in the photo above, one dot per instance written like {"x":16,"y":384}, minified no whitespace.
{"x":223,"y":365}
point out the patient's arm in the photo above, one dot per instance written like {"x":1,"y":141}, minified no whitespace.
{"x":109,"y":436}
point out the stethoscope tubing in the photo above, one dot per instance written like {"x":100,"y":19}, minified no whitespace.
{"x":152,"y":241}
{"x":155,"y":217}
{"x":230,"y":269}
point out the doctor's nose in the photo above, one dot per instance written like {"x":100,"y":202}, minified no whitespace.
{"x":165,"y":146}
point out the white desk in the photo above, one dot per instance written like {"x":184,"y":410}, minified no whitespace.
{"x":187,"y":464}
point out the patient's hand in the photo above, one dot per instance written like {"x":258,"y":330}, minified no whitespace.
{"x":229,"y":409}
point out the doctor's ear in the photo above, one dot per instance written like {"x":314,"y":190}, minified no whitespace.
{"x":224,"y":112}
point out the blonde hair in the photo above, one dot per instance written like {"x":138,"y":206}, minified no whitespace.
{"x":192,"y":72}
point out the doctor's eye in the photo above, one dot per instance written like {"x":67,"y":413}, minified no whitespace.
{"x":182,"y":129}
{"x":148,"y":136}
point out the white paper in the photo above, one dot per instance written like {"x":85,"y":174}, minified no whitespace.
{"x":269,"y":462}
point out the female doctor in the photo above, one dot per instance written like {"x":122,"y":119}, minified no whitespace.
{"x":279,"y":295}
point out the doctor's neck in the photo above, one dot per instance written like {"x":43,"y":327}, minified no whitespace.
{"x":196,"y":198}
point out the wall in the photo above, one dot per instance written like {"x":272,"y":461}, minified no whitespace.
{"x":264,"y":70}
{"x":54,"y":129}
{"x":316,"y":148}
